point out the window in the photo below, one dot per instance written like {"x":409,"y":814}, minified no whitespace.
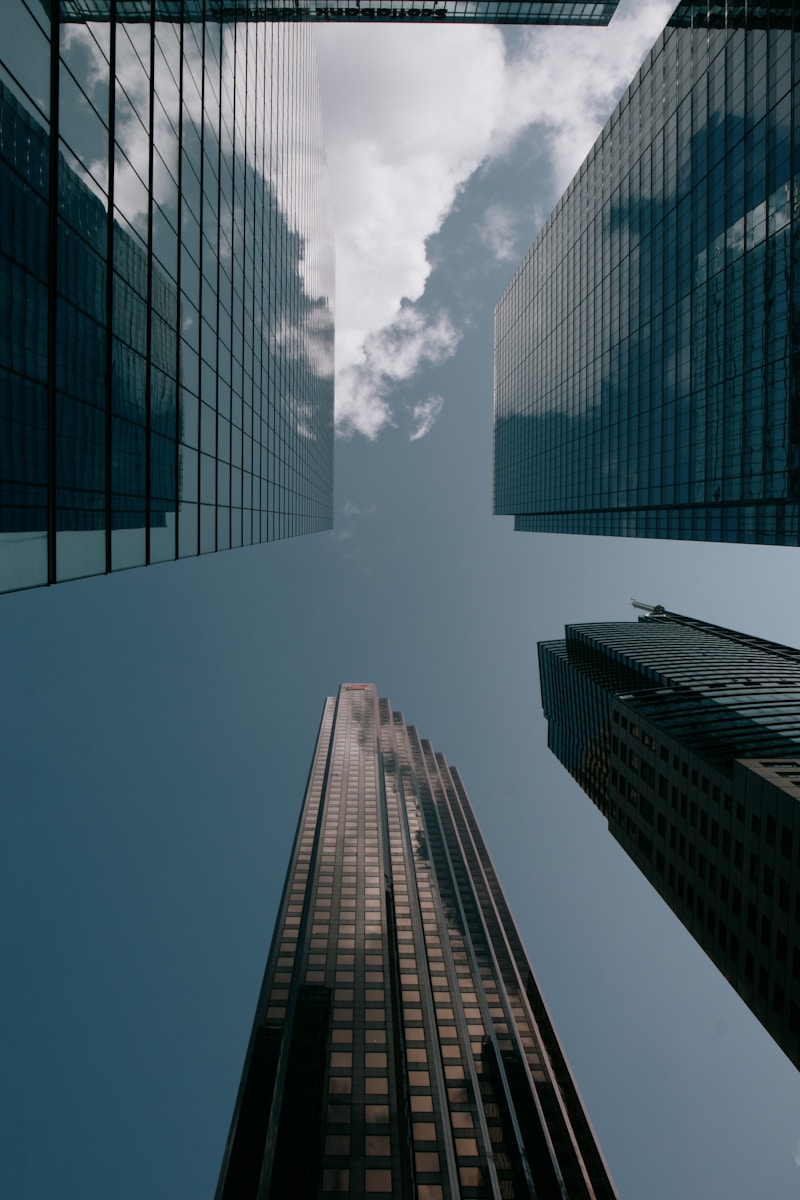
{"x":378,"y":1144}
{"x":783,"y":894}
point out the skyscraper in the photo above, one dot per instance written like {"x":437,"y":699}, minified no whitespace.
{"x":166,"y":277}
{"x":646,"y":369}
{"x":166,"y":274}
{"x":687,"y":738}
{"x":480,"y":12}
{"x":401,"y":1045}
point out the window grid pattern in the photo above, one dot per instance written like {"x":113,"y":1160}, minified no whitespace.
{"x":696,"y":767}
{"x":398,"y":1006}
{"x":645,"y":373}
{"x":167,"y":386}
{"x":511,"y":1034}
{"x":498,"y":12}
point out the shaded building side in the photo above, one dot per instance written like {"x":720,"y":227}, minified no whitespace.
{"x":686,"y":736}
{"x":646,"y":351}
{"x":166,"y":277}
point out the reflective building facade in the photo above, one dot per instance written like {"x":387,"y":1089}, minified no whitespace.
{"x":401,"y":1046}
{"x":166,"y":360}
{"x":687,"y":738}
{"x":480,"y":12}
{"x":646,"y":377}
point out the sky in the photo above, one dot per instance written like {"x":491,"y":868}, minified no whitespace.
{"x":159,"y":723}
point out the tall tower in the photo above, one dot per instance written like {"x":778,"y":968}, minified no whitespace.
{"x":687,"y":738}
{"x":401,"y":1046}
{"x":166,"y":287}
{"x":646,"y":351}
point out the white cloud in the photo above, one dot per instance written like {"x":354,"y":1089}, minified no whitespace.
{"x":499,"y":231}
{"x":389,"y":355}
{"x":411,"y":113}
{"x":424,"y":416}
{"x":348,"y":520}
{"x":569,"y":79}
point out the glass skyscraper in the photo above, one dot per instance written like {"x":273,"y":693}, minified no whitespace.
{"x":646,"y":351}
{"x":482,"y":12}
{"x":687,"y":738}
{"x":166,"y":260}
{"x":401,"y":1046}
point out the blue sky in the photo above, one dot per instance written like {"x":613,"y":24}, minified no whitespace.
{"x":159,"y":723}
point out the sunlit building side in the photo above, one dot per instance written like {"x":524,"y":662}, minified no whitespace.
{"x":646,"y":351}
{"x":686,"y":736}
{"x":166,"y":284}
{"x":401,"y":1046}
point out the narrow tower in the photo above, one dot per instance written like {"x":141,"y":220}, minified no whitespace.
{"x":401,"y":1046}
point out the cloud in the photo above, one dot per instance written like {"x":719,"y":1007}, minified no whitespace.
{"x":411,"y":113}
{"x":499,"y":231}
{"x":424,"y":416}
{"x":348,"y":520}
{"x":569,"y":79}
{"x":388,"y":356}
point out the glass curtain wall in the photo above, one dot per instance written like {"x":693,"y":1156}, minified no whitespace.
{"x":505,"y":12}
{"x":646,"y":349}
{"x":166,"y":384}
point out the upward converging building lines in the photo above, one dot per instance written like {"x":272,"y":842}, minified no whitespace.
{"x":166,"y":381}
{"x":687,"y":738}
{"x":482,"y":12}
{"x":166,"y":374}
{"x":646,"y":352}
{"x":401,"y":1046}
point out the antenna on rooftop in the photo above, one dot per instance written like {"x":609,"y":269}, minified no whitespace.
{"x":651,"y":608}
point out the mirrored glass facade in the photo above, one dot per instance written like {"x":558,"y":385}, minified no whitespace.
{"x":646,"y":378}
{"x":687,"y":738}
{"x":482,"y":12}
{"x":401,"y":1046}
{"x":166,"y":356}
